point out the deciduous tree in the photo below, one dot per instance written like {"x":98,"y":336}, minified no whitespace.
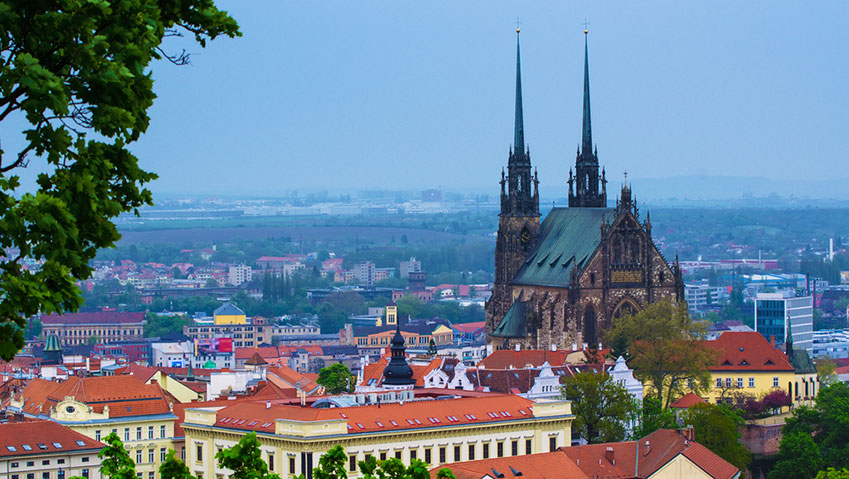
{"x":245,"y":459}
{"x":716,"y":427}
{"x":78,"y":73}
{"x":336,"y":379}
{"x":601,"y":406}
{"x":666,"y":349}
{"x":174,"y":468}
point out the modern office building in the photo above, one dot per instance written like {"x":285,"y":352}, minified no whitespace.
{"x":831,"y":343}
{"x":775,"y":313}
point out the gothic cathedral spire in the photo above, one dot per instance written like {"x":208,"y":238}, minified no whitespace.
{"x":519,"y":195}
{"x":586,"y":188}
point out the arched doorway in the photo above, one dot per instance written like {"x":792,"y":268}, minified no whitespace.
{"x":625,"y":308}
{"x":589,"y":326}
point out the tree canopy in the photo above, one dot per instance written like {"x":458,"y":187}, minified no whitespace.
{"x":601,"y":406}
{"x":716,"y":428}
{"x":666,"y":349}
{"x":245,"y":459}
{"x":77,"y":73}
{"x":336,"y":379}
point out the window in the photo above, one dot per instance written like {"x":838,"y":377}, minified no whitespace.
{"x":13,"y":465}
{"x":45,"y":475}
{"x":162,"y":453}
{"x":499,"y":449}
{"x":199,"y":456}
{"x":442,"y":455}
{"x":138,"y":456}
{"x":397,"y":454}
{"x":514,"y":448}
{"x":85,"y":459}
{"x":728,"y":382}
{"x":740,"y":383}
{"x":271,"y":461}
{"x":427,"y":456}
{"x":97,"y":435}
{"x":383,"y":456}
{"x":138,"y":433}
{"x":775,"y":382}
{"x":352,"y":463}
{"x":11,"y":448}
{"x":751,"y":382}
{"x":529,"y":446}
{"x":30,"y":463}
{"x":471,"y":452}
{"x":150,"y":432}
{"x":126,"y":434}
{"x":151,"y":475}
{"x":60,"y":461}
{"x":150,"y":455}
{"x":45,"y":462}
{"x":486,"y":450}
{"x":718,"y":383}
{"x":26,"y":447}
{"x":552,"y":443}
{"x":80,"y":443}
{"x":84,"y":473}
{"x":15,"y":476}
{"x":413,"y":454}
{"x":30,"y":475}
{"x":162,"y":431}
{"x":60,"y":474}
{"x":291,"y":464}
{"x":457,"y":454}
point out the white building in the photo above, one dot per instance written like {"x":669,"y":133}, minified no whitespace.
{"x":831,"y":343}
{"x":238,"y":274}
{"x":701,"y":295}
{"x":775,"y":312}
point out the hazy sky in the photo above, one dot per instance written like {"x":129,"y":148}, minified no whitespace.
{"x":411,"y":95}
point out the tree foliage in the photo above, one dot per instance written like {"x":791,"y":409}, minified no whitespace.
{"x":821,"y":432}
{"x":332,"y":464}
{"x":336,"y":379}
{"x":651,"y":416}
{"x":601,"y":406}
{"x":78,"y":73}
{"x":174,"y":468}
{"x":245,"y":459}
{"x":156,"y":326}
{"x":666,"y":350}
{"x":115,"y":461}
{"x":832,"y":473}
{"x":715,"y":427}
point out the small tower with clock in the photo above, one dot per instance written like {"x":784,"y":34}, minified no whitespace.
{"x":518,"y":226}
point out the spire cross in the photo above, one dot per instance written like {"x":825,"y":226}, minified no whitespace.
{"x":586,"y":26}
{"x":517,"y":24}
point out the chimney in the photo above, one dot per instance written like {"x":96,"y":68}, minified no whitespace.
{"x":688,"y":432}
{"x":646,"y":449}
{"x":608,"y":454}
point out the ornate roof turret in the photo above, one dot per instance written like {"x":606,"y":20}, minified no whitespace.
{"x":398,"y":372}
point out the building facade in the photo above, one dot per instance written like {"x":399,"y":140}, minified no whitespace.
{"x":293,"y":438}
{"x":561,"y":282}
{"x":780,"y":314}
{"x":106,"y":327}
{"x":46,"y":450}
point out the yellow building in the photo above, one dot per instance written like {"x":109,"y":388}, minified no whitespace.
{"x":415,"y":336}
{"x":229,"y":314}
{"x":140,"y":414}
{"x":749,"y":364}
{"x":437,"y":431}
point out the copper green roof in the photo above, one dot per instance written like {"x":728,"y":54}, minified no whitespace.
{"x":567,"y":238}
{"x":801,"y":361}
{"x":52,"y":344}
{"x":513,"y":323}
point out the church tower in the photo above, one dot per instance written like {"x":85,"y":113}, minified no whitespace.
{"x":586,"y":189}
{"x":518,"y":225}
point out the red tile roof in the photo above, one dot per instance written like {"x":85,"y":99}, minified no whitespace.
{"x":125,"y":395}
{"x":510,"y":359}
{"x":100,"y":317}
{"x":686,"y":401}
{"x":286,"y":377}
{"x":747,"y":351}
{"x":470,"y":327}
{"x":550,"y":465}
{"x":42,"y":437}
{"x":255,"y":416}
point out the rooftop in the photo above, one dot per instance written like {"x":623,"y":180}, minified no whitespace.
{"x":42,"y":437}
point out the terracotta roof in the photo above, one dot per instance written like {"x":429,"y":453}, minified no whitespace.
{"x":125,"y":395}
{"x":42,"y":437}
{"x":470,"y":327}
{"x":747,"y":351}
{"x":256,"y":360}
{"x":286,"y":377}
{"x":255,"y":416}
{"x":549,"y":465}
{"x":686,"y":401}
{"x":510,"y":359}
{"x":100,"y":317}
{"x":275,"y":352}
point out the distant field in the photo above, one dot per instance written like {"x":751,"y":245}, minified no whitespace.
{"x":377,"y":234}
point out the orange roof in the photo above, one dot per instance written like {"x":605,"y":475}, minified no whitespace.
{"x":286,"y":377}
{"x":470,"y":327}
{"x":510,"y":359}
{"x":549,"y":465}
{"x":375,"y":371}
{"x":255,"y":416}
{"x":42,"y":437}
{"x":125,"y":395}
{"x":686,"y":401}
{"x":747,"y":351}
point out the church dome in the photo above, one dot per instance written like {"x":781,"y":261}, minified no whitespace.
{"x":398,"y":372}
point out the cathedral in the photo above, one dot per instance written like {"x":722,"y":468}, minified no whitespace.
{"x":559,"y":283}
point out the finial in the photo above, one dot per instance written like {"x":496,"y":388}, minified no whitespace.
{"x":626,"y":177}
{"x":517,"y":24}
{"x":586,"y":26}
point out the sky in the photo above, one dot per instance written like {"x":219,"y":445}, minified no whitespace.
{"x":342,"y":96}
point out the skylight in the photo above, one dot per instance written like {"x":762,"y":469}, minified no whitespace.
{"x":410,"y":421}
{"x":379,"y":424}
{"x":11,"y":448}
{"x":57,"y":445}
{"x":42,"y":446}
{"x":393,"y":423}
{"x":80,"y":443}
{"x":360,"y":426}
{"x":26,"y":447}
{"x":343,"y":415}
